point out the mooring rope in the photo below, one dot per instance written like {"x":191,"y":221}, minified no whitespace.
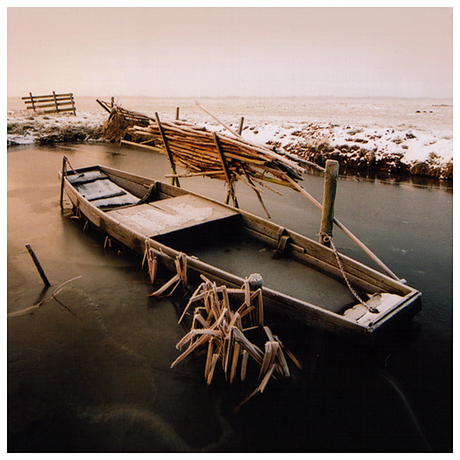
{"x":328,"y":239}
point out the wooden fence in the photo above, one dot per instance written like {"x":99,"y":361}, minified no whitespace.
{"x":51,"y":103}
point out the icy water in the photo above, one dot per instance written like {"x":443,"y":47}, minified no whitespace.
{"x":90,"y":371}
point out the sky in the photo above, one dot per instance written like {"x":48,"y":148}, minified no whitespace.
{"x":228,"y":52}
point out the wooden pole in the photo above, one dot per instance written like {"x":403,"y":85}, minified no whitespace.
{"x":330,"y":188}
{"x":175,"y":179}
{"x":177,"y":113}
{"x":240,"y":127}
{"x":73,"y":104}
{"x":32,"y":100}
{"x":227,"y":174}
{"x":37,"y":264}
{"x":64,"y":164}
{"x":55,"y":102}
{"x":103,"y":105}
{"x":218,"y":121}
{"x":345,"y":230}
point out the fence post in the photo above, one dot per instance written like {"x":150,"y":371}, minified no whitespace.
{"x":32,"y":100}
{"x":55,"y":102}
{"x":330,"y":187}
{"x":73,"y":104}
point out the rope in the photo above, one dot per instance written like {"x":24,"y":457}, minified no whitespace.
{"x":328,"y":239}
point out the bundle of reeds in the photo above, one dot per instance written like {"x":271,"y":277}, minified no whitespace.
{"x":205,"y":153}
{"x":222,"y":318}
{"x":208,"y":153}
{"x":220,"y":330}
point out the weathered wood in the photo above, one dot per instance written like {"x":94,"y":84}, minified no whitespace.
{"x":60,"y":102}
{"x":55,"y":102}
{"x":231,"y":190}
{"x":175,"y":180}
{"x":220,"y":122}
{"x":346,"y":231}
{"x":48,"y":97}
{"x":240,"y":127}
{"x":300,"y":248}
{"x":103,"y":105}
{"x":61,"y":196}
{"x":330,"y":188}
{"x":38,"y":266}
{"x":32,"y":100}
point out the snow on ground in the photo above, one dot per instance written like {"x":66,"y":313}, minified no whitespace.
{"x":26,"y":127}
{"x":414,"y":145}
{"x":409,"y":146}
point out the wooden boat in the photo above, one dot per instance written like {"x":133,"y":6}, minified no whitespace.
{"x":227,"y":244}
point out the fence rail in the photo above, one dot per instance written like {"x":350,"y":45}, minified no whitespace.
{"x":51,"y":103}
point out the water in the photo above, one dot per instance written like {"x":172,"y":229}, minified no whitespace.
{"x":94,"y":376}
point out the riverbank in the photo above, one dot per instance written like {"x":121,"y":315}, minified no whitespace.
{"x":400,"y":151}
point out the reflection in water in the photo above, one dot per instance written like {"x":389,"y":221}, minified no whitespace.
{"x":101,"y":381}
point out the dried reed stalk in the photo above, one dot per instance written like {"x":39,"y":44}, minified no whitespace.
{"x":194,"y":148}
{"x":218,"y":330}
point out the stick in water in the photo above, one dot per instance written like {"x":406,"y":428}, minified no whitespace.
{"x":38,"y":265}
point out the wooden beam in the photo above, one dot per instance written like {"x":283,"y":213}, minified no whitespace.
{"x":240,"y":127}
{"x":32,"y":100}
{"x":55,"y":102}
{"x":174,"y":180}
{"x":38,"y":265}
{"x":345,"y":230}
{"x":330,"y":188}
{"x":231,"y":190}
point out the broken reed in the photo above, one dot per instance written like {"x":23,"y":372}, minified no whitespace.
{"x":220,"y":331}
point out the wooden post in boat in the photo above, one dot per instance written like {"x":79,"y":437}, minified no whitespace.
{"x":345,"y":230}
{"x":37,"y":264}
{"x":231,"y":190}
{"x":240,"y":128}
{"x":330,"y":188}
{"x":175,"y":179}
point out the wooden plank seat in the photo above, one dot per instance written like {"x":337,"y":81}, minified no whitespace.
{"x":96,"y":187}
{"x":169,"y":215}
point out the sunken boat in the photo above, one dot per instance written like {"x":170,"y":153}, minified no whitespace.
{"x":314,"y":284}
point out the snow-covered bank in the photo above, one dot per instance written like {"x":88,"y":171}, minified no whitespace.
{"x":25,"y":127}
{"x":401,"y":151}
{"x":398,"y":150}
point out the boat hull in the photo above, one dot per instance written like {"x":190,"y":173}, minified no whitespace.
{"x":407,"y":301}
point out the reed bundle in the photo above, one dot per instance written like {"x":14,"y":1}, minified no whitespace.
{"x":220,"y":331}
{"x":222,"y":317}
{"x":202,"y":152}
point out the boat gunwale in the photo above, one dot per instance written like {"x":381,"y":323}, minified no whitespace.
{"x":346,"y":260}
{"x":334,"y":319}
